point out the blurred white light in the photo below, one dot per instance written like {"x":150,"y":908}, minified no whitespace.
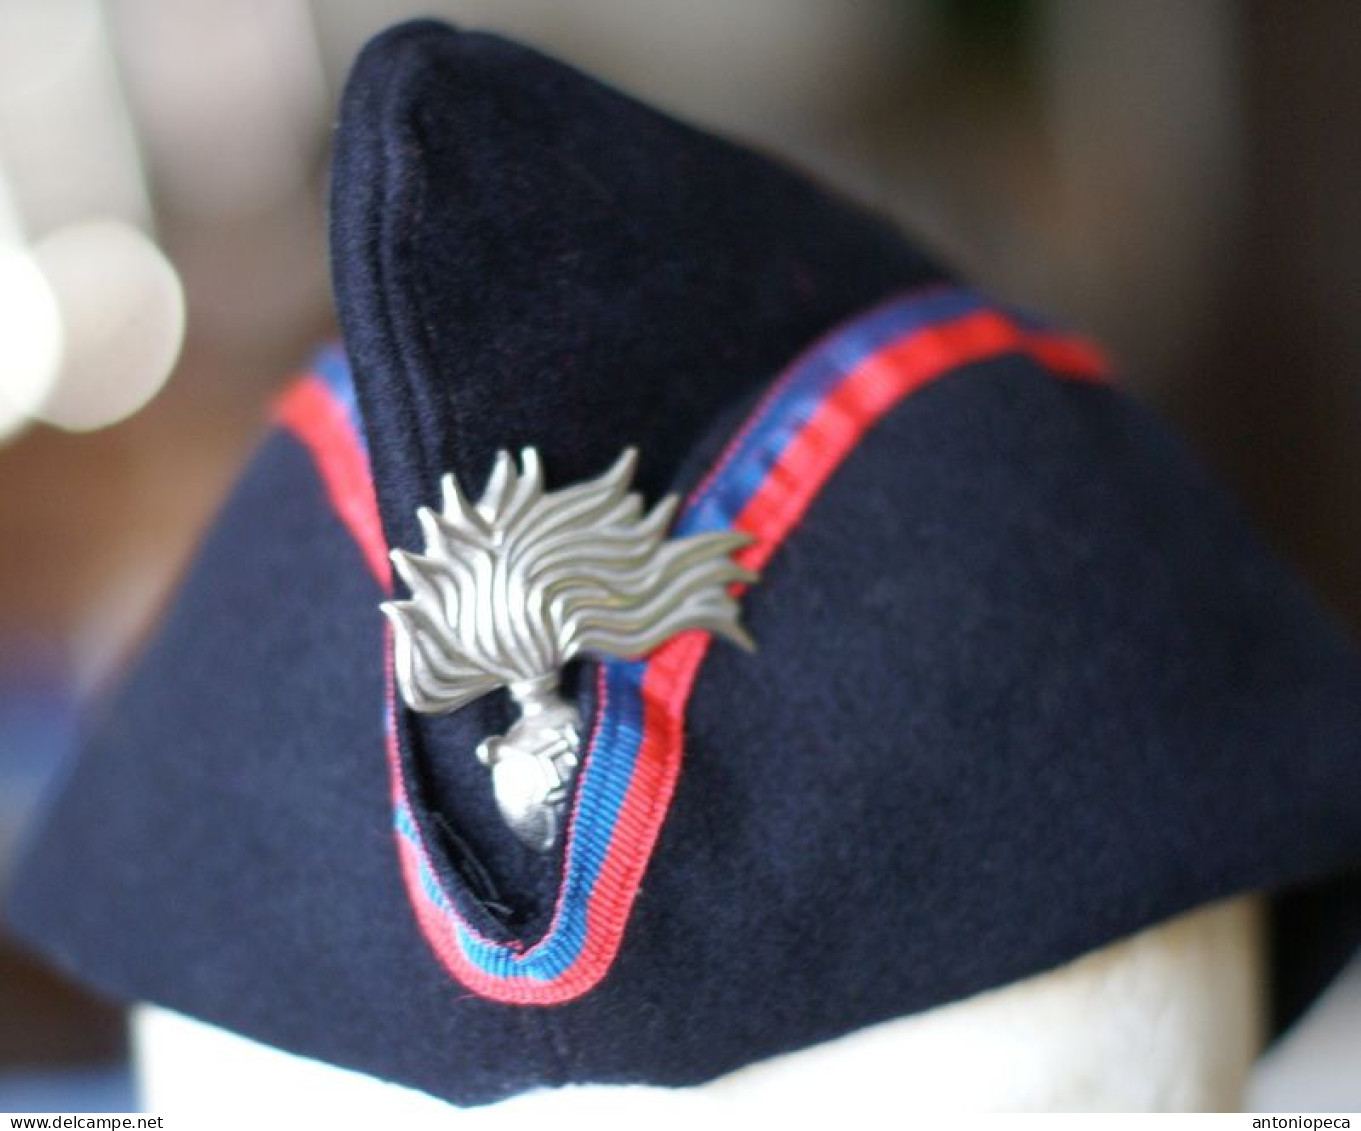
{"x":122,"y":321}
{"x":67,"y":142}
{"x":39,"y":41}
{"x":250,"y":68}
{"x":30,"y":340}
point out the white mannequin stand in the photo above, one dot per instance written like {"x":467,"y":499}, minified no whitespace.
{"x":1170,"y":1019}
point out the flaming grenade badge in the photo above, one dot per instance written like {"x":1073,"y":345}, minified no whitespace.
{"x":513,"y":587}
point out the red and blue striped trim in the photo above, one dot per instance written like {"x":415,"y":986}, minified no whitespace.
{"x":809,"y":421}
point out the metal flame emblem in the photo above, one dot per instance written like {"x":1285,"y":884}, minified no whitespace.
{"x":513,"y":587}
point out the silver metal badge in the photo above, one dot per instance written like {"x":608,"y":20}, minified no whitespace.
{"x":513,"y":587}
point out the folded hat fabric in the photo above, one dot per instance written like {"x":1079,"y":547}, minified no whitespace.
{"x":1024,"y":682}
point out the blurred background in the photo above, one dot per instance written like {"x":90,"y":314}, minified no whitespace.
{"x":1181,"y":179}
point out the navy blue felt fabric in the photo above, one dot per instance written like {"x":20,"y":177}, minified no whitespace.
{"x":523,"y":256}
{"x":1025,"y":685}
{"x":1063,"y":695}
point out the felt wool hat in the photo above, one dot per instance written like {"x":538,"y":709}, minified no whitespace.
{"x":945,"y":666}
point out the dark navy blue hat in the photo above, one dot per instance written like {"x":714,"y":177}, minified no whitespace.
{"x":1024,"y":683}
